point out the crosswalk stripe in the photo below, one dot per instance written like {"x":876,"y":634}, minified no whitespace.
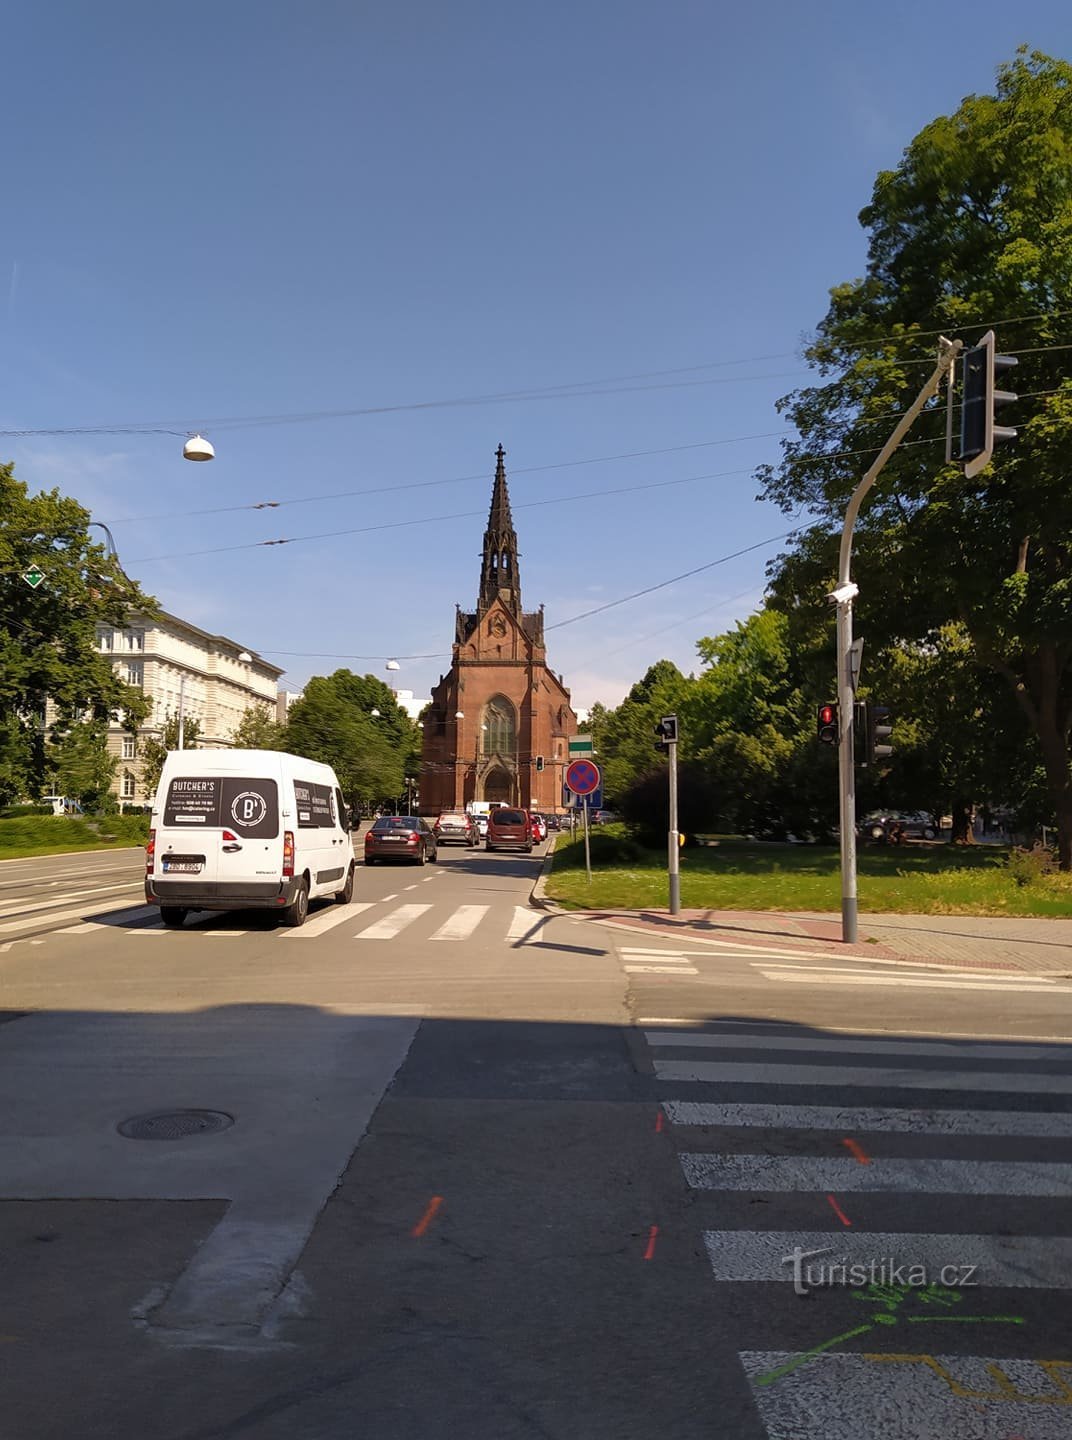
{"x":660,"y":970}
{"x":920,"y":1176}
{"x":805,"y":1396}
{"x":874,"y":1120}
{"x":390,"y":925}
{"x":845,"y":1077}
{"x":326,"y":920}
{"x":1025,"y":984}
{"x":525,"y":923}
{"x":462,"y":923}
{"x":1036,"y":1262}
{"x":657,"y":954}
{"x":873,"y":1045}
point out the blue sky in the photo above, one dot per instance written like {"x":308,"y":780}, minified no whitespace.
{"x":266,"y":209}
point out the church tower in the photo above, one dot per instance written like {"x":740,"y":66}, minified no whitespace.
{"x":499,"y":721}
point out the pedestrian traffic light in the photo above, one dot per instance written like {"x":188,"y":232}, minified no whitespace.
{"x":539,"y":762}
{"x":979,"y":399}
{"x":666,"y":732}
{"x":827,"y":723}
{"x":879,"y":730}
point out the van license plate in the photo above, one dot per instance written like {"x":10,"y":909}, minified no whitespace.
{"x":187,"y":867}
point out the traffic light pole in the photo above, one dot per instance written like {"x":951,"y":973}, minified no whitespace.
{"x":843,"y":596}
{"x":673,"y":841}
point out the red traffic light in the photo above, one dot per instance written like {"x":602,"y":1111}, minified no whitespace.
{"x":827,"y":724}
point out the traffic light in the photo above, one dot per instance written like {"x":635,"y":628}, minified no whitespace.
{"x":879,"y":730}
{"x":539,"y":762}
{"x":979,"y":369}
{"x":666,"y":732}
{"x":827,"y":723}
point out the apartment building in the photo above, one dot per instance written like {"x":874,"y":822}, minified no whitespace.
{"x":214,"y":679}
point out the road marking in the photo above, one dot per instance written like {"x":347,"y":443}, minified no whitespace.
{"x":870,"y":1046}
{"x":462,"y":923}
{"x":1030,"y":1262}
{"x":525,"y":923}
{"x":653,"y":1235}
{"x":390,"y":925}
{"x":428,"y":1216}
{"x":327,"y":920}
{"x":56,"y":919}
{"x":902,"y":1031}
{"x":877,"y":1120}
{"x":1026,"y":985}
{"x":921,"y":1177}
{"x":845,"y":1077}
{"x":384,"y":899}
{"x":905,"y":968}
{"x":856,"y":1151}
{"x":131,"y":922}
{"x":410,"y":887}
{"x":831,"y":1200}
{"x":658,"y":954}
{"x":29,"y":903}
{"x":659,"y":970}
{"x":969,"y":1397}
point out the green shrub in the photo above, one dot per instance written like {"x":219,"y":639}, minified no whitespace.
{"x":610,"y":846}
{"x":1028,"y":867}
{"x":134,"y":829}
{"x":16,"y":812}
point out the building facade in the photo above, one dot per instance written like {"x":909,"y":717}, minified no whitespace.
{"x":214,"y":680}
{"x":499,"y":720}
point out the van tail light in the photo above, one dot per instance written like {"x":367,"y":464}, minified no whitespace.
{"x":150,"y":852}
{"x":229,"y":837}
{"x":288,"y":854}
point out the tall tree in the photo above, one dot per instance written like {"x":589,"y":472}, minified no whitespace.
{"x":257,"y":730}
{"x":333,"y":722}
{"x":971,"y":231}
{"x":48,"y":648}
{"x":80,"y":764}
{"x":154,"y":748}
{"x":625,"y":737}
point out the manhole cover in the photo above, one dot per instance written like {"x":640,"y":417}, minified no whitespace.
{"x":174,"y":1124}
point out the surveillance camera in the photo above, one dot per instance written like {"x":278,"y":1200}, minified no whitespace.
{"x":844,"y":594}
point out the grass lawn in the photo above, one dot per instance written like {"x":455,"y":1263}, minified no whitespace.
{"x":62,"y":834}
{"x":738,"y":875}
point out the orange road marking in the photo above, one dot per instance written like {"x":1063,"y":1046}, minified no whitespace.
{"x":856,"y":1152}
{"x":659,"y":1123}
{"x":649,"y":1253}
{"x":427,"y":1218}
{"x":838,"y":1211}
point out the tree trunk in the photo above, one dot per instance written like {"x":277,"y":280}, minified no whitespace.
{"x":1055,"y":760}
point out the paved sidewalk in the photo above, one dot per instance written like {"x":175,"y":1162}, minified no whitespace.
{"x":1032,"y":946}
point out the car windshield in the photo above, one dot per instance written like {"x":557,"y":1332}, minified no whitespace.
{"x":509,"y":817}
{"x":394,"y":822}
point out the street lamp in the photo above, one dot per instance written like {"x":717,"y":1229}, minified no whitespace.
{"x":392,"y":665}
{"x":198,"y":448}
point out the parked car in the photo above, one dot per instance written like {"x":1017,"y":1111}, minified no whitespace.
{"x":456,"y":827}
{"x":481,"y":825}
{"x":510,"y":830}
{"x":539,"y":828}
{"x":400,"y":837}
{"x":554,"y":822}
{"x":899,"y":825}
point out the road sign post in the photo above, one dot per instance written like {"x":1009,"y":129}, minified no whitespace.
{"x":583,"y":779}
{"x":674,"y":847}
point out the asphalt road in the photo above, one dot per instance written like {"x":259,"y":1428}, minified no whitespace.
{"x":495,"y":1173}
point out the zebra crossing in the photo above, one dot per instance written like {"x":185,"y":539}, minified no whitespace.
{"x":928,"y":1225}
{"x":516,"y":925}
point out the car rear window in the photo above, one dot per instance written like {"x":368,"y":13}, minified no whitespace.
{"x":508,"y":817}
{"x":394,"y":822}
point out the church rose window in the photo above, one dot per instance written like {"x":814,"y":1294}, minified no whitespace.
{"x":500,"y":731}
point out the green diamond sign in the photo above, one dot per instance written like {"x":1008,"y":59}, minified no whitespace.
{"x":33,"y":576}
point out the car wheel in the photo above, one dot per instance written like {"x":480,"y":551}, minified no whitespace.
{"x":172,"y":915}
{"x":877,"y":832}
{"x":370,"y":860}
{"x":422,"y":857}
{"x":346,"y":894}
{"x":929,"y":833}
{"x":295,"y":913}
{"x":488,"y":848}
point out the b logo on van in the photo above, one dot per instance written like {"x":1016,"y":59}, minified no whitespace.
{"x":248,"y":808}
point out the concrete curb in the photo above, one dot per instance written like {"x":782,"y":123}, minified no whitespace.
{"x":537,"y":897}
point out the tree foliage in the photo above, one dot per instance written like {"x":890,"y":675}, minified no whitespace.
{"x":333,"y":723}
{"x":155,"y":748}
{"x":258,"y":730}
{"x":971,"y":231}
{"x":48,"y":634}
{"x":80,"y":765}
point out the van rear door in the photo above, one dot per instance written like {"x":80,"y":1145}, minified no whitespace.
{"x":188,"y":837}
{"x":250,"y":842}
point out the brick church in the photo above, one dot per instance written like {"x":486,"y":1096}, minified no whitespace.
{"x":499,"y":719}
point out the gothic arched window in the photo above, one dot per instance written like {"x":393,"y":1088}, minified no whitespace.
{"x":500,"y":727}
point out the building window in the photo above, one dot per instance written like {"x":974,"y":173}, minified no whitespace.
{"x":130,"y":747}
{"x":127,"y":790}
{"x":499,"y":727}
{"x":135,"y":672}
{"x":135,"y":639}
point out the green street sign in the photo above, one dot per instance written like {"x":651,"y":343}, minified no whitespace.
{"x":580,"y":745}
{"x":33,"y":577}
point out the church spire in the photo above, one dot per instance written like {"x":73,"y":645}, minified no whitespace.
{"x":499,"y":574}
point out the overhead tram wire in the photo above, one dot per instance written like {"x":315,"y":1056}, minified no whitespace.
{"x":563,"y":390}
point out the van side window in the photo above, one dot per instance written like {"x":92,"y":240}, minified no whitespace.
{"x":314,"y":805}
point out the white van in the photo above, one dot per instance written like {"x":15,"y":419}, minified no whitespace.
{"x":247,"y":830}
